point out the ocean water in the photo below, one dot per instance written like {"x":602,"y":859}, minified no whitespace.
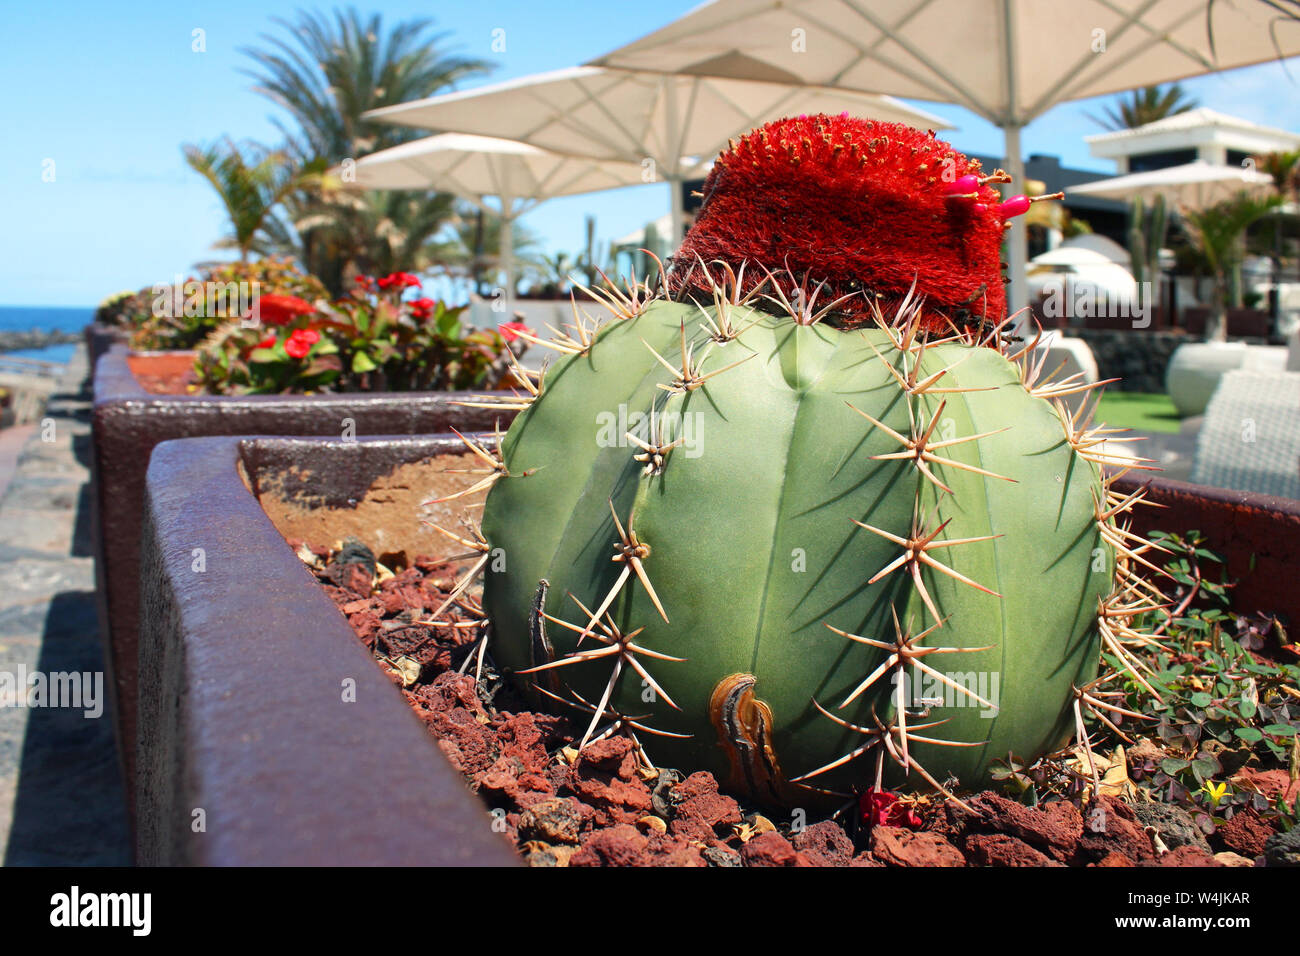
{"x":24,"y":318}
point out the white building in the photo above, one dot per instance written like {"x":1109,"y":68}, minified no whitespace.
{"x":1200,"y":134}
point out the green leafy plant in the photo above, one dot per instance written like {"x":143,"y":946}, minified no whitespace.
{"x":253,"y":182}
{"x":224,"y":293}
{"x":324,"y":71}
{"x":1218,"y":232}
{"x":1215,"y":704}
{"x":124,"y":309}
{"x":372,"y":340}
{"x":1146,"y":105}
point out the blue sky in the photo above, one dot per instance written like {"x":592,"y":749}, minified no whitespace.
{"x":110,"y":91}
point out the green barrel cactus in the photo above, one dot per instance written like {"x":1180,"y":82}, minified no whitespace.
{"x":808,"y":558}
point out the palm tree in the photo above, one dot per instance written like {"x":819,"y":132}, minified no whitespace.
{"x":1284,"y":167}
{"x":337,"y":70}
{"x":252,"y":182}
{"x":474,"y":251}
{"x":1146,"y":105}
{"x":1218,"y":233}
{"x":330,"y":71}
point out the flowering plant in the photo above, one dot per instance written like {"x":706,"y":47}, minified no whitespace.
{"x":370,"y":340}
{"x":272,"y":291}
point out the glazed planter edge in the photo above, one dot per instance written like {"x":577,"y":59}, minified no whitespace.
{"x":267,"y":734}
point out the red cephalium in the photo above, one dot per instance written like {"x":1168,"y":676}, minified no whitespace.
{"x":868,"y":207}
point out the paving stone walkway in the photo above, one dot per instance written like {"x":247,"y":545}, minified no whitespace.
{"x":61,"y":794}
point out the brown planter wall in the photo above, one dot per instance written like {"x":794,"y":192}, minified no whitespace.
{"x":1257,"y":535}
{"x":242,"y":667}
{"x":100,"y":338}
{"x":129,"y":422}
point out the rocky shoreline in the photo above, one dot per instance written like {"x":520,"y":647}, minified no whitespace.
{"x":36,"y":339}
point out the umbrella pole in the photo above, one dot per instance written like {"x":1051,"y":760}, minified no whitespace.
{"x":1017,"y":251}
{"x":507,"y":251}
{"x":678,"y":208}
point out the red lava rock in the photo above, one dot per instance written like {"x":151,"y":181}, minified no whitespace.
{"x":551,"y":821}
{"x":525,"y":737}
{"x":365,"y":624}
{"x":613,"y":754}
{"x":1000,"y":849}
{"x":449,"y":691}
{"x":620,"y":845}
{"x":701,"y":809}
{"x":616,"y":800}
{"x":1187,"y":855}
{"x":664,"y":850}
{"x":594,"y":813}
{"x":351,"y":577}
{"x":1245,"y":833}
{"x":393,"y":603}
{"x":772,"y":849}
{"x":896,"y":846}
{"x":825,"y":844}
{"x":1270,"y":783}
{"x":1053,"y":828}
{"x":1121,"y":834}
{"x":503,"y":775}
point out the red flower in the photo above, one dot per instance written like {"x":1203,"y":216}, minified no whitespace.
{"x":267,"y":343}
{"x":400,"y":280}
{"x":510,"y":330}
{"x":282,"y":309}
{"x":301,"y":341}
{"x":880,"y":808}
{"x":422,"y":308}
{"x":365,"y":282}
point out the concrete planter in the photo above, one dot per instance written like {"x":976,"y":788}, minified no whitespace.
{"x":100,"y":338}
{"x":1195,"y":370}
{"x":245,"y":666}
{"x":1257,"y":535}
{"x":284,"y":771}
{"x":129,"y":422}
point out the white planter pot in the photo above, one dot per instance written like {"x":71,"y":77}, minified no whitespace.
{"x":1194,"y":372}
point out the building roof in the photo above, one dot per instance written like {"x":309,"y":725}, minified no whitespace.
{"x":1193,"y":128}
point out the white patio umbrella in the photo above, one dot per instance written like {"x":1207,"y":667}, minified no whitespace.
{"x":672,"y":125}
{"x":1195,"y":185}
{"x":1009,"y":61}
{"x":1069,"y":270}
{"x":475,"y":167}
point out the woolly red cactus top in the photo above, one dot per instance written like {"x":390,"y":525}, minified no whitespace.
{"x":866,"y":206}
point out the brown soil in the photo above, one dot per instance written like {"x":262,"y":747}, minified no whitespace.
{"x":602,"y":807}
{"x":164,"y":373}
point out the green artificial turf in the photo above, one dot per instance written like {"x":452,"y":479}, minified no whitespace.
{"x":1138,"y":410}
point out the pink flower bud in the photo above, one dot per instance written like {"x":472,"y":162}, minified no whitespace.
{"x":963,"y":184}
{"x":1015,"y":206}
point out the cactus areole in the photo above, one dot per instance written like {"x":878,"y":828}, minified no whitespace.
{"x":794,"y":519}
